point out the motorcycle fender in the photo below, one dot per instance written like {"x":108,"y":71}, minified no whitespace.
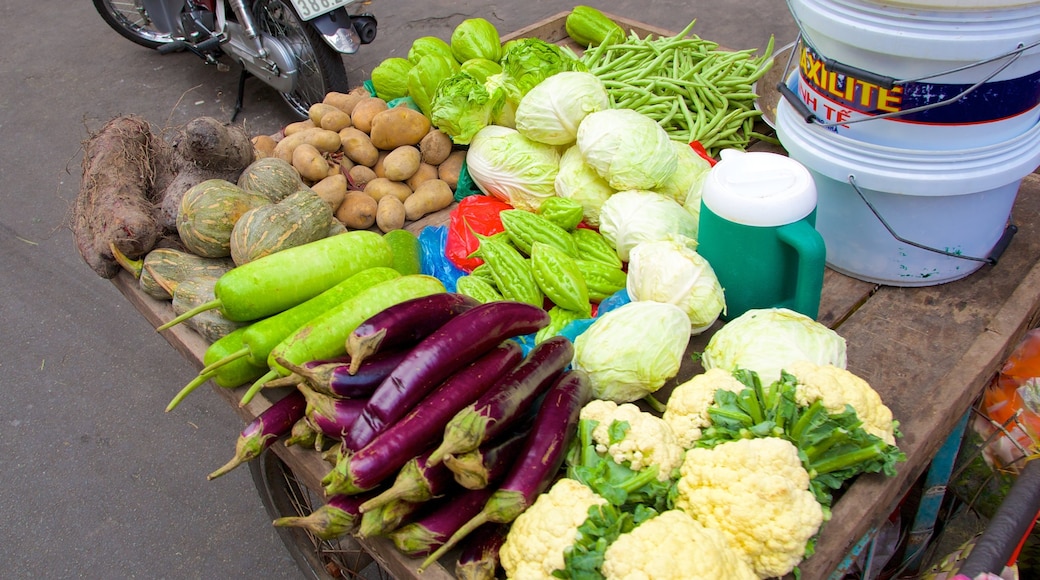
{"x":165,"y":14}
{"x":335,"y":27}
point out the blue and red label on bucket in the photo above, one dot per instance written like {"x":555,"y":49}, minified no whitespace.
{"x":852,"y":106}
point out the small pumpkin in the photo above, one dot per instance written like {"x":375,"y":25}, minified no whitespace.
{"x":208,"y":213}
{"x":300,"y":218}
{"x":163,"y":269}
{"x":271,"y":176}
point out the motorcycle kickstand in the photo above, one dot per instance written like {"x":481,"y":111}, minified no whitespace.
{"x":241,"y":94}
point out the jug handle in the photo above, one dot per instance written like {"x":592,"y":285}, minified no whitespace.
{"x":812,"y":252}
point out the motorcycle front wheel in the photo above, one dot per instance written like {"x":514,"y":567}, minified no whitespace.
{"x":320,"y":68}
{"x":131,"y":21}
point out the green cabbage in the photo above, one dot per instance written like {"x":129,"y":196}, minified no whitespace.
{"x":552,"y":111}
{"x":461,"y":107}
{"x":672,"y":271}
{"x":390,"y":78}
{"x":424,"y":77}
{"x":684,"y":185}
{"x":476,"y":38}
{"x":579,"y":182}
{"x":425,"y":45}
{"x":768,"y":340}
{"x":481,"y":68}
{"x":632,"y":217}
{"x":627,"y":148}
{"x":631,"y":351}
{"x":505,"y":164}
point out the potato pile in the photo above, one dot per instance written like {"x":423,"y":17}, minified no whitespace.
{"x":376,"y":165}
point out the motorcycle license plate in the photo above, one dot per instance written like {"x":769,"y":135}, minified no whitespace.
{"x":309,"y":9}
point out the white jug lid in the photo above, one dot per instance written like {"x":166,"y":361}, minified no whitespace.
{"x":759,"y":188}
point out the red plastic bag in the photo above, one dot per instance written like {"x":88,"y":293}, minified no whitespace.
{"x":476,"y":213}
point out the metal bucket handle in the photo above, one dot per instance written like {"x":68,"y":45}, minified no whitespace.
{"x":1002,"y":244}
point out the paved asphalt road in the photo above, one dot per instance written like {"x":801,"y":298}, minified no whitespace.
{"x":95,"y":480}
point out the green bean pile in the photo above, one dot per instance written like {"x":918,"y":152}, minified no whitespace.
{"x":693,"y":90}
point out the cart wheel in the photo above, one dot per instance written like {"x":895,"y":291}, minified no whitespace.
{"x":283,"y":495}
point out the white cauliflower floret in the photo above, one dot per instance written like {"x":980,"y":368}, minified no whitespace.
{"x":649,"y":440}
{"x":687,"y":409}
{"x":836,"y":387}
{"x":756,"y":492}
{"x":674,"y":546}
{"x":537,"y":538}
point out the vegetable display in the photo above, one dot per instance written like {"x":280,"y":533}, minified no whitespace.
{"x":525,"y":403}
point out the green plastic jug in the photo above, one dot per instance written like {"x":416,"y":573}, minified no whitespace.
{"x":757,"y":230}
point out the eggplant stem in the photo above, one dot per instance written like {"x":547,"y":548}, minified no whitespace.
{"x":361,"y":347}
{"x":212,"y":304}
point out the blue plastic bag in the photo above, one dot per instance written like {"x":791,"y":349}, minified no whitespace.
{"x":433,"y":262}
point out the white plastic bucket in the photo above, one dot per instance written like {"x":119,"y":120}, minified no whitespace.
{"x":942,"y":51}
{"x":956,"y":201}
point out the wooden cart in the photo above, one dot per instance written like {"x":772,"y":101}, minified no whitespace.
{"x":928,"y":351}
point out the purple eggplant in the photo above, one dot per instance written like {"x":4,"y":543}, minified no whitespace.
{"x":274,"y":422}
{"x":499,"y":409}
{"x":333,"y":377}
{"x":387,"y":517}
{"x":478,"y":558}
{"x":403,"y":325}
{"x":458,"y":342}
{"x":338,"y":517}
{"x":487,"y":464}
{"x":416,"y":481}
{"x":369,"y":466}
{"x":437,"y":525}
{"x":554,"y":427}
{"x":331,"y":416}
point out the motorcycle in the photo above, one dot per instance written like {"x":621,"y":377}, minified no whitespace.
{"x":294,"y":46}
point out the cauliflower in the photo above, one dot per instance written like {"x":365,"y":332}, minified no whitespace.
{"x":836,"y":387}
{"x":687,"y":409}
{"x":756,"y":492}
{"x":673,"y":545}
{"x":537,"y":538}
{"x":648,"y":440}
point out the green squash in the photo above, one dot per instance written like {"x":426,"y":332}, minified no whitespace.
{"x":163,"y":269}
{"x":300,"y":218}
{"x":276,"y":178}
{"x":208,"y":213}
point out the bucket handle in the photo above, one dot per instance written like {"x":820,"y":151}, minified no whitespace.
{"x":889,"y":82}
{"x":998,"y":250}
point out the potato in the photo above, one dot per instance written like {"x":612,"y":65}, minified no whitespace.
{"x":319,"y":110}
{"x":263,"y":146}
{"x":358,"y":210}
{"x":381,"y":187}
{"x":321,"y":139}
{"x":425,"y":172}
{"x":433,"y":195}
{"x":378,"y":166}
{"x":359,"y":176}
{"x":298,"y":126}
{"x":365,"y":110}
{"x":401,"y":163}
{"x":390,"y":214}
{"x":346,"y":101}
{"x":333,"y":189}
{"x":310,"y":163}
{"x":335,"y":120}
{"x":398,"y":126}
{"x":435,"y":147}
{"x":358,"y":147}
{"x":449,"y":170}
